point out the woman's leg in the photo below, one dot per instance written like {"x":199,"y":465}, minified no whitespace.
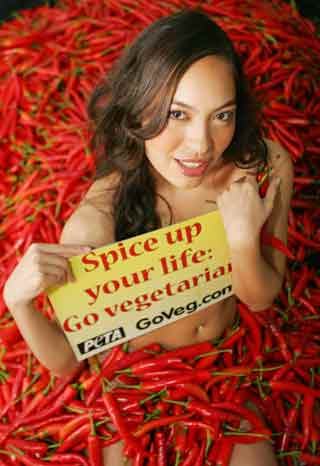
{"x":256,"y":454}
{"x":113,"y":456}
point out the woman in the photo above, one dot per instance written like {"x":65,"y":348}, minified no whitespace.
{"x":177,"y":135}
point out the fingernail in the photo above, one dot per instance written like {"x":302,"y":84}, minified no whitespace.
{"x":87,"y":248}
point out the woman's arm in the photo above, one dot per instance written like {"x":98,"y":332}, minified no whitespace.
{"x":258,"y":271}
{"x":45,"y":339}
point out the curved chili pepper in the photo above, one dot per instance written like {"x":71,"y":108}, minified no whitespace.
{"x":199,"y":424}
{"x":195,"y":390}
{"x":190,"y":351}
{"x":308,"y":403}
{"x":68,"y":458}
{"x":290,"y":424}
{"x":131,"y":358}
{"x":201,"y":456}
{"x":74,"y":438}
{"x":151,"y":365}
{"x":119,"y":422}
{"x":294,"y":387}
{"x":225,"y":452}
{"x":160,"y":443}
{"x":180,"y":441}
{"x":159,"y":423}
{"x":28,"y":446}
{"x":192,"y":456}
{"x":250,"y":320}
{"x":94,"y":447}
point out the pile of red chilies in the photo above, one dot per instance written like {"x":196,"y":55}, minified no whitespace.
{"x":181,"y":407}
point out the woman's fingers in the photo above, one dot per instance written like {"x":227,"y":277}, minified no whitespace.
{"x":59,"y":264}
{"x":65,"y":250}
{"x":57,"y":267}
{"x":42,"y":266}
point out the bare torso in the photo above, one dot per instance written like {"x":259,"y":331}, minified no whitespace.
{"x":210,"y":322}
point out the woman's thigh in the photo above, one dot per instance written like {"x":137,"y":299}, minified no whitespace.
{"x":255,"y":454}
{"x":113,"y":456}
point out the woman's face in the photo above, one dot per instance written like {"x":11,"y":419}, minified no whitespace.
{"x":201,"y":125}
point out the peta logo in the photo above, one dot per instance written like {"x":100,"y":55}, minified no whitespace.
{"x":101,"y":340}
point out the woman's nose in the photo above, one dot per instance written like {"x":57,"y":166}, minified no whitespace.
{"x":199,"y":138}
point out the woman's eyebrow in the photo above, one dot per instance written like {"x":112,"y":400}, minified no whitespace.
{"x":183,"y":104}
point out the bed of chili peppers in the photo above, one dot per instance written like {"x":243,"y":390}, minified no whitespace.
{"x":182,"y":407}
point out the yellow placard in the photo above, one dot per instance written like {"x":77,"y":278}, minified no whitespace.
{"x":132,"y":287}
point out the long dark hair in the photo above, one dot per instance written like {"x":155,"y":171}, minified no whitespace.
{"x":140,"y":87}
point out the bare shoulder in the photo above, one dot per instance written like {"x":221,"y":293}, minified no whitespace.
{"x":280,"y":160}
{"x":101,"y":192}
{"x":92,"y":222}
{"x":277,"y":223}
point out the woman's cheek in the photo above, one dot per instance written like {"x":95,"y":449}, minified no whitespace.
{"x":174,"y":136}
{"x":224,"y":136}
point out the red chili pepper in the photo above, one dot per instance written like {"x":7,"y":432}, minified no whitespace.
{"x":309,"y":459}
{"x":29,"y":446}
{"x":201,"y":456}
{"x":250,"y":320}
{"x":225,"y":452}
{"x":27,"y":460}
{"x":206,"y":410}
{"x":74,"y":438}
{"x":50,"y":430}
{"x":308,"y":305}
{"x":299,"y":237}
{"x":154,"y":424}
{"x":271,"y":240}
{"x":190,"y":351}
{"x":15,"y":387}
{"x":302,"y":282}
{"x":68,"y":458}
{"x":94,"y":447}
{"x":255,"y":421}
{"x":233,"y":338}
{"x":202,"y":425}
{"x":289,"y":84}
{"x":155,"y":385}
{"x":291,"y":422}
{"x":282,"y":342}
{"x":294,"y":387}
{"x":192,"y":456}
{"x":119,"y":422}
{"x":73,"y":425}
{"x":9,"y":335}
{"x":65,"y":397}
{"x":161,"y":449}
{"x":151,"y":365}
{"x":308,"y":404}
{"x":129,"y":359}
{"x":180,"y":441}
{"x":195,"y":390}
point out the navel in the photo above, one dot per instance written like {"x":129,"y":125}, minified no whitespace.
{"x":200,"y":327}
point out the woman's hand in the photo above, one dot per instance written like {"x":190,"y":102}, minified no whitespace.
{"x":43,"y":265}
{"x":243,"y":211}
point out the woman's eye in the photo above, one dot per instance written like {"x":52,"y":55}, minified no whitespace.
{"x":229,"y":115}
{"x":176,"y":114}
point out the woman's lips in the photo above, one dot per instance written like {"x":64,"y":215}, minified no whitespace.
{"x":192,"y":167}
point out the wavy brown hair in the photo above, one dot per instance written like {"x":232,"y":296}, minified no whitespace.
{"x":132,"y":104}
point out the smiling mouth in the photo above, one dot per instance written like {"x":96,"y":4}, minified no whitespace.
{"x":192,"y":168}
{"x":192,"y":164}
